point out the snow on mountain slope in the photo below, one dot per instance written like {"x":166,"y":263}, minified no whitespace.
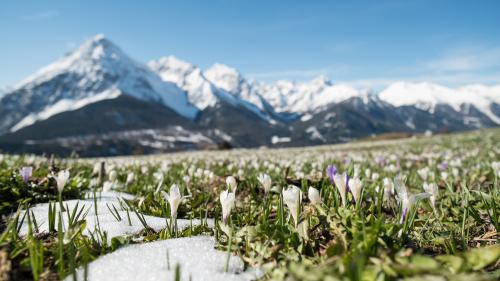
{"x":230,"y":80}
{"x":188,"y":77}
{"x":201,"y":91}
{"x":89,"y":74}
{"x":307,"y":97}
{"x":64,"y":105}
{"x":427,"y":96}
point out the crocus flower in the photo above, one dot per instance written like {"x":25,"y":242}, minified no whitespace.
{"x":130,"y":178}
{"x":61,"y":179}
{"x":227,"y":202}
{"x":174,"y":199}
{"x":433,"y":190}
{"x":113,"y":175}
{"x":388,"y":188}
{"x":381,"y":160}
{"x":26,"y":173}
{"x":231,"y":183}
{"x":356,"y":185}
{"x":405,"y":199}
{"x":331,"y":170}
{"x":313,"y":195}
{"x":266,"y":182}
{"x":107,"y":186}
{"x":423,"y":173}
{"x":292,"y":196}
{"x":341,"y":183}
{"x":443,"y":166}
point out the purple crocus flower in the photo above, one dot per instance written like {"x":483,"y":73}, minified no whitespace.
{"x":347,"y":178}
{"x":381,"y":161}
{"x":403,"y":215}
{"x":443,"y":166}
{"x":331,"y":170}
{"x":26,"y":173}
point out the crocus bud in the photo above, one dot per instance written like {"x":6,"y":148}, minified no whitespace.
{"x":292,"y":197}
{"x":107,"y":186}
{"x":61,"y":179}
{"x":331,"y":171}
{"x":113,"y":175}
{"x":231,"y":183}
{"x":227,"y":202}
{"x":356,"y":185}
{"x":174,"y":198}
{"x":341,"y":183}
{"x":314,"y":196}
{"x":266,"y":182}
{"x":433,"y":190}
{"x":130,"y":178}
{"x":26,"y":173}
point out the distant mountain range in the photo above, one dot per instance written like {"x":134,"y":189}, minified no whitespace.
{"x":99,"y":101}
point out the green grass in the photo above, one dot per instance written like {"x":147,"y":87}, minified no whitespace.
{"x":457,"y":239}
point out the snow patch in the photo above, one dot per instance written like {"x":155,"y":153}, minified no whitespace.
{"x":107,"y":222}
{"x":196,"y":257}
{"x":277,"y":139}
{"x":315,"y":134}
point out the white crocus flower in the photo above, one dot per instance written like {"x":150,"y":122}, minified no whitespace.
{"x":61,"y":179}
{"x":356,"y":186}
{"x":231,"y":183}
{"x":406,"y":200}
{"x":174,"y":199}
{"x":227,"y":202}
{"x":388,"y":189}
{"x":266,"y":182}
{"x":423,"y":173}
{"x":341,"y":183}
{"x":314,"y":196}
{"x":292,"y":196}
{"x":130,"y":178}
{"x":113,"y":175}
{"x":433,"y":190}
{"x":107,"y":186}
{"x":186,"y":179}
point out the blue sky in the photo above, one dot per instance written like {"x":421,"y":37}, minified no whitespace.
{"x":364,"y":43}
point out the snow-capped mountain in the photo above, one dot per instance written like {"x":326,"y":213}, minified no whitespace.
{"x":98,"y":97}
{"x":201,"y":92}
{"x":96,"y":71}
{"x":427,"y":96}
{"x":307,"y":97}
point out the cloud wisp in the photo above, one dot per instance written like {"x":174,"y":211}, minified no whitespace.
{"x":40,"y":16}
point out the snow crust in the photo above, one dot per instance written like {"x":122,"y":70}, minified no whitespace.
{"x":107,"y":222}
{"x":196,"y":256}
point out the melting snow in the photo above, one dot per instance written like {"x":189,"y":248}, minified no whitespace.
{"x":196,"y":256}
{"x":107,"y":221}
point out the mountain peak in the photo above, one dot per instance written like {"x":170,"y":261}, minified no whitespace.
{"x":171,"y":64}
{"x":220,"y":69}
{"x":225,"y":77}
{"x":321,"y":80}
